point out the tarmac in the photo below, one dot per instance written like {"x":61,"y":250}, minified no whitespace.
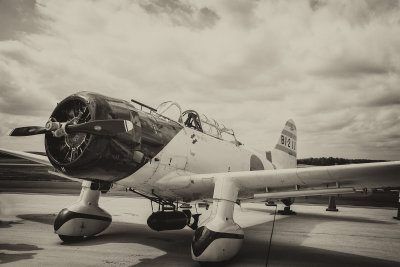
{"x":354,"y":236}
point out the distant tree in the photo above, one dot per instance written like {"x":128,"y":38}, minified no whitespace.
{"x":323,"y":161}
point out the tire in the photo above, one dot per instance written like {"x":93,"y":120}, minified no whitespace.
{"x":70,"y":239}
{"x":211,"y":264}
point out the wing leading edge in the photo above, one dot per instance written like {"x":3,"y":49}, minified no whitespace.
{"x":29,"y":156}
{"x":355,"y":176}
{"x":39,"y":159}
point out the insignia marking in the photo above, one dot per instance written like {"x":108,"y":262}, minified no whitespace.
{"x":288,"y":142}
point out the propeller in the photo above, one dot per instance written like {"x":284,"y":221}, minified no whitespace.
{"x":29,"y":130}
{"x":98,"y":127}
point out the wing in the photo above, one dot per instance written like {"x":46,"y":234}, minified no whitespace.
{"x":39,"y":159}
{"x":283,"y":183}
{"x":29,"y":156}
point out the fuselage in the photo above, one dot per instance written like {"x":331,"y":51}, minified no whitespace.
{"x":154,"y":150}
{"x":194,"y":152}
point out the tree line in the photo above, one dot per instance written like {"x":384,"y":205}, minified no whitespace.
{"x":327,"y":161}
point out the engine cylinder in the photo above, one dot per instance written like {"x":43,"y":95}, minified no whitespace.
{"x":167,"y":220}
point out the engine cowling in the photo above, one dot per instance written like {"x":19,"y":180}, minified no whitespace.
{"x":106,"y":158}
{"x":86,"y":155}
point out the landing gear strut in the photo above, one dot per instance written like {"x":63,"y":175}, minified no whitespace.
{"x":220,"y":238}
{"x":84,"y":218}
{"x":332,"y":204}
{"x":398,"y":209}
{"x":286,"y":210}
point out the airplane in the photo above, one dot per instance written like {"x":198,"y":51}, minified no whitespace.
{"x":102,"y":141}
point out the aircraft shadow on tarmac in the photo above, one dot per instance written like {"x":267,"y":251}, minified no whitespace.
{"x":12,"y":257}
{"x":333,"y":216}
{"x":7,"y":258}
{"x":285,"y":251}
{"x":7,"y":224}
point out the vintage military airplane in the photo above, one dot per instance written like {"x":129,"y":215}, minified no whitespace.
{"x":103,"y":141}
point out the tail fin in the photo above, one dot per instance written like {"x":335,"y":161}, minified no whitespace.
{"x":284,"y":155}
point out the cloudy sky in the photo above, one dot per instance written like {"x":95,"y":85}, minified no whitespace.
{"x":331,"y":66}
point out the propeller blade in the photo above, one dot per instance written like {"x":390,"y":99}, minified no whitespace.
{"x":101,"y":127}
{"x":29,"y":130}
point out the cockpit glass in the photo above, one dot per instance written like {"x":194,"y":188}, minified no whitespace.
{"x":170,"y":110}
{"x":210,"y":126}
{"x":201,"y":123}
{"x":191,"y":119}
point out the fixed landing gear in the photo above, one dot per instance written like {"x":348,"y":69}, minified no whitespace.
{"x":398,"y":209}
{"x":270,"y":203}
{"x":219,"y":238}
{"x":84,"y":218}
{"x":398,"y":214}
{"x":70,"y":239}
{"x":332,"y":204}
{"x":286,"y":210}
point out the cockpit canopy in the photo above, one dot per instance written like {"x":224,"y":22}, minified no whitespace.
{"x":199,"y":122}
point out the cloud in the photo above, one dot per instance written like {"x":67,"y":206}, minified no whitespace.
{"x":181,"y":13}
{"x":18,"y":17}
{"x":383,"y":94}
{"x":332,"y":66}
